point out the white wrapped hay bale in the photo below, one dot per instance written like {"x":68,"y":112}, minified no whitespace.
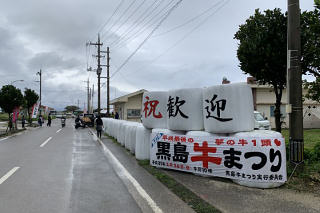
{"x":260,"y":133}
{"x":154,"y":109}
{"x":133,"y":133}
{"x":120,"y":132}
{"x":228,"y":108}
{"x":184,"y":108}
{"x":142,"y":150}
{"x":168,"y":131}
{"x":127,"y":135}
{"x":106,"y":122}
{"x":203,"y":133}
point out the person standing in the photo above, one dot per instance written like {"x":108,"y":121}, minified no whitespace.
{"x":116,"y":116}
{"x":40,"y":120}
{"x":49,"y":120}
{"x":99,"y":125}
{"x":23,"y":121}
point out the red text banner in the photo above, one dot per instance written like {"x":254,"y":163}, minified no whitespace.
{"x":258,"y":159}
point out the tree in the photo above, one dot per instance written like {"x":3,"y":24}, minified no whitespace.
{"x":10,"y":98}
{"x":313,"y":90}
{"x":30,"y":97}
{"x":71,"y":108}
{"x":317,"y":3}
{"x":262,"y":51}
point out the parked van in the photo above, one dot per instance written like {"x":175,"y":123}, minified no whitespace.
{"x":260,"y":122}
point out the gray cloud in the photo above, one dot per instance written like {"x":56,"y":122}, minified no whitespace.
{"x":51,"y":35}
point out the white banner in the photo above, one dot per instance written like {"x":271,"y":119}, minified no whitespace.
{"x":258,"y":159}
{"x":35,"y":109}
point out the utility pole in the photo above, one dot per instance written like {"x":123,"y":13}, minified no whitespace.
{"x":88,"y":94}
{"x":99,"y":69}
{"x":92,"y":96}
{"x":40,"y":73}
{"x":294,"y":84}
{"x":108,"y":79}
{"x":108,"y":82}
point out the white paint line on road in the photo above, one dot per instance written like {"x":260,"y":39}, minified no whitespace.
{"x":59,"y":130}
{"x":2,"y":139}
{"x":125,"y":175}
{"x":44,"y":143}
{"x":6,"y":176}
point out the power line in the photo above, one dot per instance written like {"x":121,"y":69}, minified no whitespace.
{"x":118,"y":20}
{"x":133,"y":12}
{"x":187,"y":34}
{"x":190,"y":20}
{"x":114,"y":12}
{"x":146,"y":39}
{"x":140,"y":19}
{"x":191,"y":31}
{"x":145,"y":26}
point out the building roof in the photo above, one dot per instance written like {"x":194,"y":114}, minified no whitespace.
{"x":124,"y":99}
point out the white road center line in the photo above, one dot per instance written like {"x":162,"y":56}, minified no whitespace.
{"x":6,"y":176}
{"x":58,"y":130}
{"x":125,"y":175}
{"x":44,"y":143}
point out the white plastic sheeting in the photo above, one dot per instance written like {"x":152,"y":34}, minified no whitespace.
{"x":184,"y":108}
{"x":154,"y":109}
{"x":203,"y":133}
{"x":228,"y":108}
{"x":259,"y":133}
{"x":168,"y":131}
{"x":142,"y":150}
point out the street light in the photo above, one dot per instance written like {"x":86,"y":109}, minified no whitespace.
{"x":15,"y":81}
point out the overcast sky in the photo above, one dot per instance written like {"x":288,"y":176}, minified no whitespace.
{"x":187,"y":50}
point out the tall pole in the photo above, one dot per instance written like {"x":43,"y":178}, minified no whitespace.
{"x":99,"y":74}
{"x":92,"y":97}
{"x":88,"y":95}
{"x":40,"y":73}
{"x":294,"y":84}
{"x":108,"y":82}
{"x":99,"y":69}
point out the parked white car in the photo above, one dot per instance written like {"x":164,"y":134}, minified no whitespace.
{"x":260,"y":122}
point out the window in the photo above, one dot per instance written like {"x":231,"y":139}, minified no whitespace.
{"x":282,"y":111}
{"x":133,"y":113}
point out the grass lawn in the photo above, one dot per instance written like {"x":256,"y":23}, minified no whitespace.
{"x":311,"y":137}
{"x":3,"y":116}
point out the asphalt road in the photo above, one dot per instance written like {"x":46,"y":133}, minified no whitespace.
{"x":54,"y":169}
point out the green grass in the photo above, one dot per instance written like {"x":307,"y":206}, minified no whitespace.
{"x":311,"y":137}
{"x":3,"y":116}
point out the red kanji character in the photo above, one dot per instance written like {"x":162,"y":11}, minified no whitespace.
{"x":219,"y":141}
{"x":177,"y":139}
{"x":265,"y":142}
{"x":188,"y":167}
{"x":170,"y":138}
{"x":243,"y":142}
{"x":164,"y":137}
{"x":204,"y":157}
{"x":190,"y":140}
{"x":231,"y":142}
{"x":254,"y":142}
{"x":152,"y":109}
{"x":183,"y":139}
